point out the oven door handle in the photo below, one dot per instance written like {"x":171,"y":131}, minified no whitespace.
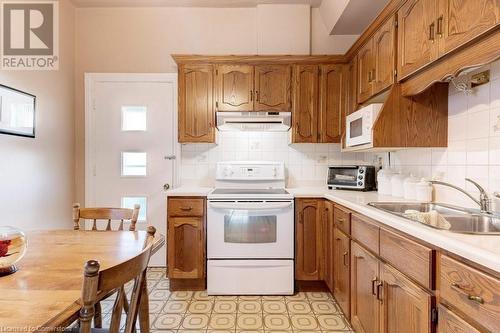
{"x":250,"y":205}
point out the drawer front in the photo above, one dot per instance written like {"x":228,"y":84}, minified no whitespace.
{"x":407,"y":256}
{"x":365,"y":232}
{"x":342,"y":219}
{"x":470,"y":291}
{"x":186,"y":207}
{"x":450,"y":323}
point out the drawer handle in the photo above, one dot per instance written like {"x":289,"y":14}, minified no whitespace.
{"x":474,"y":298}
{"x":186,"y":209}
{"x":374,"y":293}
{"x":345,"y":257}
{"x":341,"y":220}
{"x":380,"y":284}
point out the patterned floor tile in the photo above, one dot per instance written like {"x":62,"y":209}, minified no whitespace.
{"x":277,"y":322}
{"x":249,"y":307}
{"x":298,"y":307}
{"x":195,"y":321}
{"x":176,"y":307}
{"x":222,"y":321}
{"x":274,"y":307}
{"x":332,"y":322}
{"x":249,"y":321}
{"x":304,"y":322}
{"x":200,"y":307}
{"x":225,"y":307}
{"x":168,"y":321}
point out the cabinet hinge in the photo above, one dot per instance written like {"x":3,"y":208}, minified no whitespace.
{"x":434,"y":315}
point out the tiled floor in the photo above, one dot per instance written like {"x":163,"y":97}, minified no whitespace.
{"x":194,"y":312}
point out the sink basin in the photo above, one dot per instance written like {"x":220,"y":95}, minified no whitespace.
{"x":446,"y":217}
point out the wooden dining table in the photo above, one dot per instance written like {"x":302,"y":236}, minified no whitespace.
{"x":44,"y":294}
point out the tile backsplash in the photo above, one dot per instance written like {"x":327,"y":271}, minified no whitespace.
{"x":473,"y":149}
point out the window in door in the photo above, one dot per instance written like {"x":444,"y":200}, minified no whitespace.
{"x":134,"y":118}
{"x":134,"y":164}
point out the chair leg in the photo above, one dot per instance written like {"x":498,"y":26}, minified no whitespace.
{"x":144,"y":307}
{"x":98,"y":315}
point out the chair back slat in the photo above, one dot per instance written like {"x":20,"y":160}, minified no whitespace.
{"x":108,"y":214}
{"x":97,"y":283}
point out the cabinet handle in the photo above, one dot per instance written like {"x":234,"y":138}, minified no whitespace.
{"x":341,"y":220}
{"x":251,"y":95}
{"x":431,"y":32}
{"x":373,"y":75}
{"x":257,"y":97}
{"x":345,"y":257}
{"x":186,"y":209}
{"x":440,"y":26}
{"x":380,"y":284}
{"x":374,"y":293}
{"x":470,"y":297}
{"x":369,"y":76}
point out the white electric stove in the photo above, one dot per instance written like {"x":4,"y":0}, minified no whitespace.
{"x":250,"y":231}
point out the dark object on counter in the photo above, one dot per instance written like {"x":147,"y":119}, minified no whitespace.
{"x":353,"y":177}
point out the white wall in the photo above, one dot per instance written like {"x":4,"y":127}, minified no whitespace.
{"x":37,"y":175}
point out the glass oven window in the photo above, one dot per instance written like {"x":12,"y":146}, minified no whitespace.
{"x":356,"y":128}
{"x":242,"y":228}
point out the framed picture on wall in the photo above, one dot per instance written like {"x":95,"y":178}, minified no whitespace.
{"x":17,"y":112}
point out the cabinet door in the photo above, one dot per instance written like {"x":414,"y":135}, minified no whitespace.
{"x":332,"y":102}
{"x":416,"y":35}
{"x":451,"y":323}
{"x":272,"y":88}
{"x":308,"y":239}
{"x":196,"y":107}
{"x":383,"y":49}
{"x":365,"y":307}
{"x":341,"y":271}
{"x":365,"y":71}
{"x":235,"y":88}
{"x":186,"y":258}
{"x":305,"y":106}
{"x":405,"y":306}
{"x":328,"y":243}
{"x":461,"y":21}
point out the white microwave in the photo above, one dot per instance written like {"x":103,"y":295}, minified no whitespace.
{"x":359,"y":125}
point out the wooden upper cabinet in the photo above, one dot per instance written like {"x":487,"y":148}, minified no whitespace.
{"x":365,"y":306}
{"x":405,"y":306}
{"x":332,"y":85}
{"x":416,"y":35}
{"x":461,"y":21}
{"x":272,"y":88}
{"x":196,"y":104}
{"x":308,"y":238}
{"x":365,"y":71}
{"x":235,"y":88}
{"x":305,"y":104}
{"x":342,"y":270}
{"x":384,"y":44}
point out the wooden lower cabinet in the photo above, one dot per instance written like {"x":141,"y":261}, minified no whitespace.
{"x":451,"y":323}
{"x":365,"y":305}
{"x":341,"y":273}
{"x":329,"y":242}
{"x":186,"y":259}
{"x":406,"y":307}
{"x":308,"y":239}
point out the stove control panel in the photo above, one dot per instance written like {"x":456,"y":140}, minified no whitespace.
{"x":250,"y":171}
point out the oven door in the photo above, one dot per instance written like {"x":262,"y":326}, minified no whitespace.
{"x":357,"y":130}
{"x":250,"y":230}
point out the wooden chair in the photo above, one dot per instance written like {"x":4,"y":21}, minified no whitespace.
{"x":97,"y":283}
{"x":109,"y":214}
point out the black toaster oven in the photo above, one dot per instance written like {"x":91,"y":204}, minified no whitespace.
{"x":352,"y":177}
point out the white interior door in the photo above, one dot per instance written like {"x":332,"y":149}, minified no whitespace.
{"x":132,"y":134}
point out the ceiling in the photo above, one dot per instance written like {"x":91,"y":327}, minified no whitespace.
{"x":189,"y":3}
{"x":357,"y":15}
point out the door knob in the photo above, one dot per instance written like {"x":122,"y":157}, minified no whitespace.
{"x":166,"y":187}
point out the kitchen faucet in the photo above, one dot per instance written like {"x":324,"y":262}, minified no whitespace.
{"x":484,"y":201}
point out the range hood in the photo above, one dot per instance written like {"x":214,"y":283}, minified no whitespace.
{"x":254,"y":121}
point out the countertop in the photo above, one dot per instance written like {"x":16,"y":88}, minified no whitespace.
{"x":483,"y":250}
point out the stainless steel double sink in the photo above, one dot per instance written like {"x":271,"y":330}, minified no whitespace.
{"x":456,"y":219}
